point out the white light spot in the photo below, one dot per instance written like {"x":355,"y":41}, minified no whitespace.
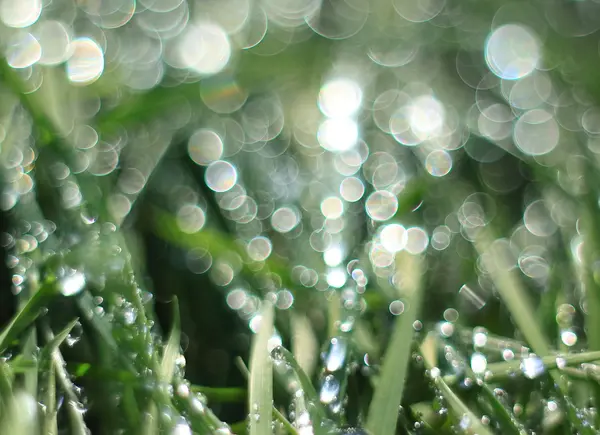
{"x":23,"y":51}
{"x":190,"y":218}
{"x":220,"y":176}
{"x":285,"y":219}
{"x":569,"y":338}
{"x":396,"y":307}
{"x":340,"y":98}
{"x":536,"y":132}
{"x":339,"y":134}
{"x":381,"y":205}
{"x":259,"y":248}
{"x":72,"y":283}
{"x":394,"y":237}
{"x":337,"y":277}
{"x":332,"y":207}
{"x":416,"y":240}
{"x":352,"y":189}
{"x":532,"y":366}
{"x":478,"y":363}
{"x":20,"y":13}
{"x":512,"y":51}
{"x":426,"y":117}
{"x":204,"y":48}
{"x":181,"y":429}
{"x":333,"y":256}
{"x":55,"y":41}
{"x":205,"y":146}
{"x":86,"y":63}
{"x":438,"y":163}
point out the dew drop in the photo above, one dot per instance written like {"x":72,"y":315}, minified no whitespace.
{"x":72,"y":282}
{"x":532,"y":366}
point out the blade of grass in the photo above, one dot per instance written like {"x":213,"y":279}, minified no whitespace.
{"x":512,"y":292}
{"x":282,"y":354}
{"x":467,"y":421}
{"x":383,"y":411}
{"x":172,"y":348}
{"x":516,"y":299}
{"x":27,"y":315}
{"x":21,"y":418}
{"x":221,"y":395}
{"x":50,"y":423}
{"x":6,"y":390}
{"x":276,"y":414}
{"x":55,"y":342}
{"x":503,"y":370}
{"x":506,"y":419}
{"x":74,"y":407}
{"x":304,"y":343}
{"x":260,"y":384}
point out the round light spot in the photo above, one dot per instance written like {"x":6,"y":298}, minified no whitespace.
{"x":198,"y":260}
{"x":338,"y":134}
{"x":416,"y":240}
{"x":396,"y":307}
{"x":205,"y":146}
{"x":20,"y":13}
{"x":352,"y":189}
{"x":191,"y":218}
{"x":512,"y":51}
{"x":259,"y":248}
{"x":23,"y":51}
{"x":86,"y":63}
{"x":426,"y":117}
{"x":393,"y":237}
{"x":285,"y":219}
{"x":119,"y":205}
{"x":332,"y":207}
{"x":220,"y":176}
{"x":569,"y":338}
{"x":478,"y":363}
{"x":204,"y":48}
{"x":538,"y":221}
{"x":333,"y":256}
{"x":536,"y":132}
{"x":337,"y":277}
{"x":381,"y":205}
{"x":438,"y":163}
{"x":55,"y":41}
{"x":340,"y":98}
{"x":441,"y":238}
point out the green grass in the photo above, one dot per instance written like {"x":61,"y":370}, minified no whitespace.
{"x":122,"y":314}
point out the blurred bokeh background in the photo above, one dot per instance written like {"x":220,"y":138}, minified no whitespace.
{"x":212,"y":153}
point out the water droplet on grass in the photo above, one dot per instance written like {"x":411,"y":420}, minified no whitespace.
{"x":532,"y":366}
{"x":71,"y":283}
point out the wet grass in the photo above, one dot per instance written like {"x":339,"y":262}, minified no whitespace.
{"x":132,"y":325}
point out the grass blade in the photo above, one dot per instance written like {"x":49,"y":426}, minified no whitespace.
{"x":512,"y":292}
{"x":27,"y":315}
{"x":468,"y":421}
{"x":55,"y":342}
{"x":383,"y":411}
{"x":50,"y":423}
{"x":502,"y":370}
{"x":260,"y":388}
{"x":172,"y":348}
{"x":221,"y":395}
{"x":304,"y":343}
{"x":276,"y":414}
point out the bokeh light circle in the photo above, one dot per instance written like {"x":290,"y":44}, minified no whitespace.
{"x":512,"y":51}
